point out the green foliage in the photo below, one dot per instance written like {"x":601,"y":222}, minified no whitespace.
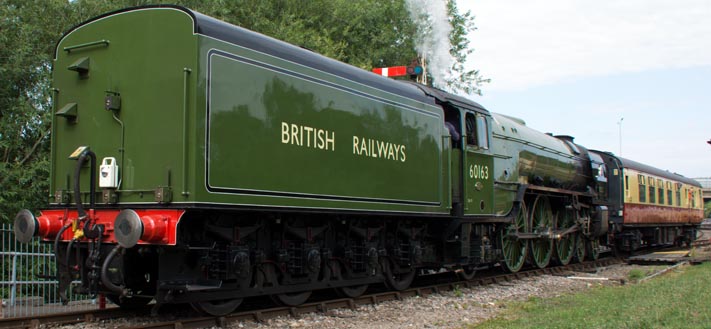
{"x":27,"y":40}
{"x":672,"y":301}
{"x":458,"y":291}
{"x":463,"y":80}
{"x":707,"y":209}
{"x":365,"y":33}
{"x":636,"y":274}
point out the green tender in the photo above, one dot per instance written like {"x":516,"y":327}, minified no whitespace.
{"x":207,"y":122}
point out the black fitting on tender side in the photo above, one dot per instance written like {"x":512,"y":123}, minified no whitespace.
{"x":93,"y":231}
{"x":92,"y":182}
{"x":62,"y":267}
{"x":120,"y":291}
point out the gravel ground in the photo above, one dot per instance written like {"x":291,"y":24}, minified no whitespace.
{"x":453,"y":309}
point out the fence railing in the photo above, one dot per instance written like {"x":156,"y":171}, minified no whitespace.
{"x":28,"y":283}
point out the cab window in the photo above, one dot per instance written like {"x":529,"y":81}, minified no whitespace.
{"x":453,"y":124}
{"x":471,"y":129}
{"x":477,"y":131}
{"x":601,"y":173}
{"x":482,"y":132}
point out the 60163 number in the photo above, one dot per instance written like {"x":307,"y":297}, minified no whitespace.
{"x":478,"y":171}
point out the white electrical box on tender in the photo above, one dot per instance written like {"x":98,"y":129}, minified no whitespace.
{"x":108,"y":173}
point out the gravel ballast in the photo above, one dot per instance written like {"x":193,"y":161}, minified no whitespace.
{"x":452,"y":309}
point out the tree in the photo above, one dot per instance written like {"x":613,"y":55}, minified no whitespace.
{"x":365,"y":33}
{"x":27,"y":41}
{"x":440,"y":27}
{"x":462,"y":80}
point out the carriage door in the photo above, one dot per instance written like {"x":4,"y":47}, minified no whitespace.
{"x":479,"y":166}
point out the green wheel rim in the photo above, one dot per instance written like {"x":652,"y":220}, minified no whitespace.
{"x":515,"y":250}
{"x":593,"y":249}
{"x":579,"y":247}
{"x":565,"y":247}
{"x":541,"y":221}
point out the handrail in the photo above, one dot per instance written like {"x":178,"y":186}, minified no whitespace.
{"x":88,"y":44}
{"x":186,"y":73}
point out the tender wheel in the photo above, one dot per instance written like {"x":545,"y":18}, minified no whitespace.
{"x":565,"y":247}
{"x":352,"y":291}
{"x":218,"y":307}
{"x":127,"y":303}
{"x":541,"y":221}
{"x":514,"y":249}
{"x":291,"y":299}
{"x":467,"y":272}
{"x":399,"y":280}
{"x":593,"y":249}
{"x":268,"y":277}
{"x":580,"y":249}
{"x":348,"y":292}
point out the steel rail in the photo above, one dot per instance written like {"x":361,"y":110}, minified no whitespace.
{"x":324,"y":306}
{"x":371,"y":299}
{"x":36,"y":321}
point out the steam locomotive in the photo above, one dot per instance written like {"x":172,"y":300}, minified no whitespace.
{"x":198,"y":162}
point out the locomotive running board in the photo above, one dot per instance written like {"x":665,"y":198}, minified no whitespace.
{"x":201,"y":286}
{"x":548,"y":234}
{"x":558,"y":190}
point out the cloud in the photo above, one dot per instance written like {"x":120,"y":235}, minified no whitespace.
{"x":520,"y":44}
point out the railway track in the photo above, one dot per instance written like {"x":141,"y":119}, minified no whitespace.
{"x":375,"y":298}
{"x":69,"y":318}
{"x":428,"y":285}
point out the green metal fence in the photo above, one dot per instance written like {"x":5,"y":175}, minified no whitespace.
{"x":28,"y":284}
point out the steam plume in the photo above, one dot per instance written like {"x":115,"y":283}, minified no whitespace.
{"x":433,"y":42}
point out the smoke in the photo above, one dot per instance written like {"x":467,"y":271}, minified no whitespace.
{"x":432,"y":41}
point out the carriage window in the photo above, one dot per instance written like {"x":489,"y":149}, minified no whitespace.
{"x":652,"y":192}
{"x":627,"y":186}
{"x":685,"y":193}
{"x":678,"y":194}
{"x":669,"y":196}
{"x":693,"y":199}
{"x":642,"y":189}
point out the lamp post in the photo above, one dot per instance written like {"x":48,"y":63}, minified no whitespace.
{"x":619,"y":123}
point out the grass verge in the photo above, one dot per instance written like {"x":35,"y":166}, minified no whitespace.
{"x":679,"y":299}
